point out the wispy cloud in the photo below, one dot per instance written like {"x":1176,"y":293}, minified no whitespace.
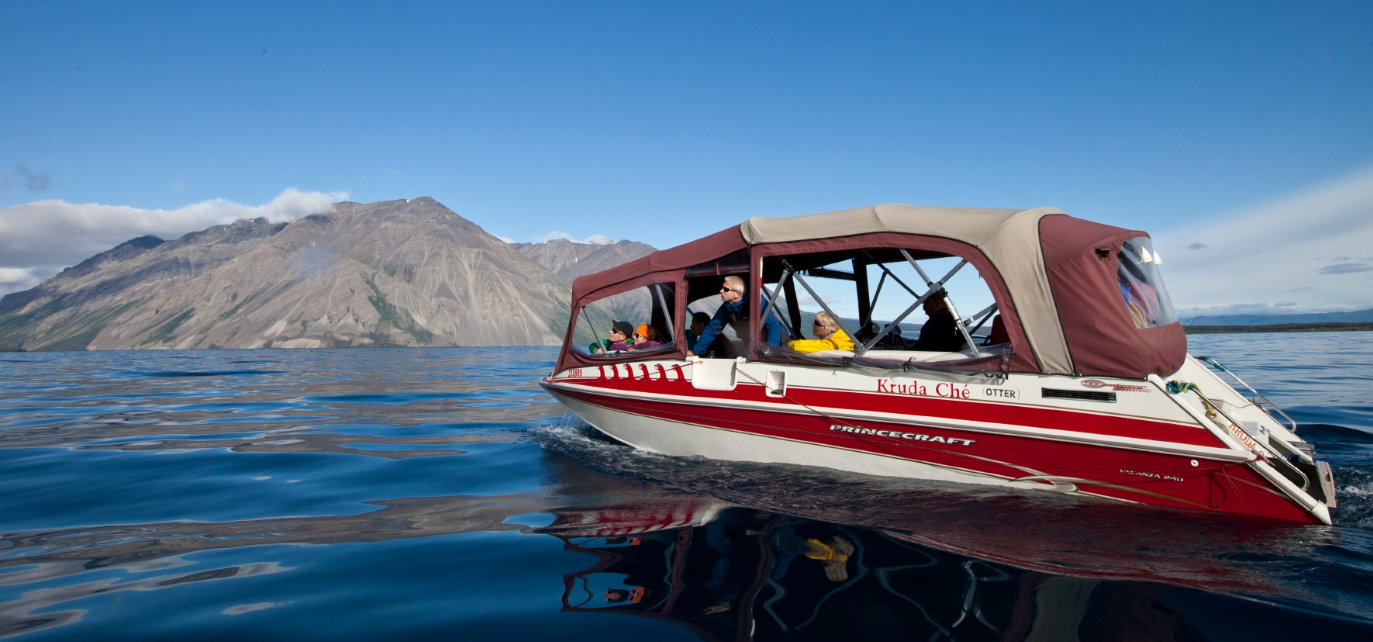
{"x":594,"y":239}
{"x":1312,"y":251}
{"x":44,"y":236}
{"x":23,"y":177}
{"x":1347,"y":268}
{"x":33,"y":181}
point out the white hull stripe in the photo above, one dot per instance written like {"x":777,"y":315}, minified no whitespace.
{"x":1033,"y":481}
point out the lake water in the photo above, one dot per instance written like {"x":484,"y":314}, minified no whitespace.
{"x":414,"y":493}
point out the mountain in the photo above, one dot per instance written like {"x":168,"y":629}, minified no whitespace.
{"x":1360,"y":316}
{"x":570,"y":260}
{"x":404,"y":272}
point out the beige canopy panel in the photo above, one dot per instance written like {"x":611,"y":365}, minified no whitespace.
{"x":1008,"y":238}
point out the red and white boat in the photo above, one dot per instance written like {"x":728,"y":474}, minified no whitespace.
{"x":1085,"y":385}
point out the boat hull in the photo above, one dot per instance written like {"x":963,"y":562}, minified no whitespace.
{"x":1156,"y":460}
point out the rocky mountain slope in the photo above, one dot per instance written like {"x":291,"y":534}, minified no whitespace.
{"x":570,"y":260}
{"x":390,"y":273}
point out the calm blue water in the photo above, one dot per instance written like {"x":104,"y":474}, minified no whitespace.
{"x":366,"y":494}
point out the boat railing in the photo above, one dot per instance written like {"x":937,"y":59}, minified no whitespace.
{"x":1272,"y":454}
{"x":1259,"y":400}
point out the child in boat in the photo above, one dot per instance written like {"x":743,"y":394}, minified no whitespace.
{"x":645,"y":338}
{"x":829,"y":335}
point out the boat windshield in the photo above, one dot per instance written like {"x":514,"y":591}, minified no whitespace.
{"x":627,"y":323}
{"x":1141,"y":285}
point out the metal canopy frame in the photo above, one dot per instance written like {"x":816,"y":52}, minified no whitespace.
{"x":958,"y":320}
{"x":981,"y":317}
{"x":591,"y":323}
{"x":936,"y":287}
{"x":786,"y":267}
{"x":873,"y":304}
{"x":660,"y":300}
{"x":772,"y":301}
{"x":792,"y":275}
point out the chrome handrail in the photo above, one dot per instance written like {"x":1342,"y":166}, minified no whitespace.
{"x":1258,"y":398}
{"x":1306,"y":481}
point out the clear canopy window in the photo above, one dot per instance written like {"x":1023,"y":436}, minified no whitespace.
{"x":881,"y":299}
{"x":1141,"y":285}
{"x":623,"y":324}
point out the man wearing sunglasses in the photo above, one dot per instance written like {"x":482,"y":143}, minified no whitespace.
{"x":734,"y":311}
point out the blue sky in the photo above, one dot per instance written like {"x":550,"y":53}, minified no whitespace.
{"x":664,"y":122}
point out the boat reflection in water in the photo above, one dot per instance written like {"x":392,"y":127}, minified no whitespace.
{"x":733,"y":573}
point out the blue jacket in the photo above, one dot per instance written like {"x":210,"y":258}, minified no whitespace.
{"x":773,"y":330}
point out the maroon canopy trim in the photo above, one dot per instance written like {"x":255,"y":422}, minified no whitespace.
{"x":570,"y":358}
{"x":710,"y":248}
{"x":663,"y":266}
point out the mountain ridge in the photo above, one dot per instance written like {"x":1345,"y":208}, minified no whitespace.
{"x":402,"y":272}
{"x":570,"y":259}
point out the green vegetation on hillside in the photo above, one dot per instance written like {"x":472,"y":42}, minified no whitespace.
{"x":395,"y":316}
{"x":162,"y":332}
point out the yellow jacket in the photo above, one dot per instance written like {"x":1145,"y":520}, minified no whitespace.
{"x":837,"y":341}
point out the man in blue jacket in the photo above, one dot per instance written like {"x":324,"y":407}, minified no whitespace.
{"x":734,"y":311}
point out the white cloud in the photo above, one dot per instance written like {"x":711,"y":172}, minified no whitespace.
{"x":555,"y":235}
{"x":48,"y":234}
{"x":20,"y":279}
{"x":507,"y":240}
{"x":14,"y":275}
{"x":1309,"y":252}
{"x":594,"y":239}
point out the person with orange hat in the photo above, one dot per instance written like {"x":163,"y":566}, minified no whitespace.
{"x":645,"y":338}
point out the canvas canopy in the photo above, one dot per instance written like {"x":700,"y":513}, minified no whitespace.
{"x":1067,"y":310}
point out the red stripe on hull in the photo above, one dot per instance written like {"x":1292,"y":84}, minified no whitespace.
{"x":963,"y":410}
{"x":1148,"y":478}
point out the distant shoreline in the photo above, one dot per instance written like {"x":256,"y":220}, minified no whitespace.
{"x":1279,"y":327}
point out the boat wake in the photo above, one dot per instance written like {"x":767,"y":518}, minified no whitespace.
{"x":1348,"y":450}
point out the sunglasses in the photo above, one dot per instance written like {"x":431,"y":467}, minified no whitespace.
{"x":816,"y":324}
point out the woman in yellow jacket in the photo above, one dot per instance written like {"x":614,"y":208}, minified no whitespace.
{"x":829,"y":335}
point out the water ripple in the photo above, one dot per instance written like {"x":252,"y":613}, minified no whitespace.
{"x":363,"y":494}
